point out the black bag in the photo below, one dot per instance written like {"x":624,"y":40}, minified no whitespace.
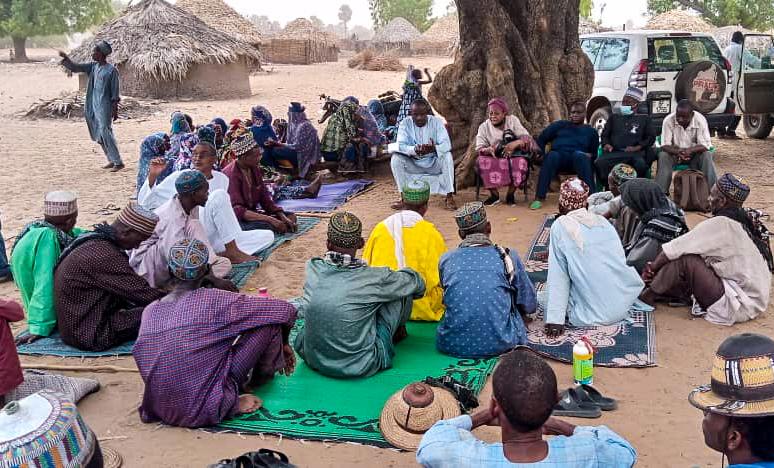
{"x":508,"y":138}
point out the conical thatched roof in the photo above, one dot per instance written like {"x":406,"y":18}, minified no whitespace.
{"x":679,"y":20}
{"x":302,"y":28}
{"x":161,"y":41}
{"x":218,"y":15}
{"x":398,"y":30}
{"x":445,"y":32}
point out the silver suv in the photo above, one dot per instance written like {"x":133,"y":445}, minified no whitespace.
{"x":668,"y":66}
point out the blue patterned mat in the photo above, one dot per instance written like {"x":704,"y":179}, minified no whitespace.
{"x":627,"y":344}
{"x":54,"y":346}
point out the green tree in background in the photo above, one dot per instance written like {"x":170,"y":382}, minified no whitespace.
{"x":417,"y":12}
{"x":21,"y":19}
{"x":345,"y":15}
{"x":751,"y":14}
{"x":585,"y":8}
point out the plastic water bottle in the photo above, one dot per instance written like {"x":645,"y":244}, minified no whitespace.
{"x":583,"y":362}
{"x":263,"y":293}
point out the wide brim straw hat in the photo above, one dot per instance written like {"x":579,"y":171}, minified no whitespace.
{"x":111,"y":458}
{"x":403,"y":424}
{"x":742,"y":382}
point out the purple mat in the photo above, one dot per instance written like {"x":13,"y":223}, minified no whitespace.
{"x":331,"y":197}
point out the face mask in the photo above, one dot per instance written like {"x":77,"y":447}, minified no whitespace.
{"x":625,"y":110}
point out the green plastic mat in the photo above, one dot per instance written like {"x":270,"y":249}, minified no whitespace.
{"x":310,"y":406}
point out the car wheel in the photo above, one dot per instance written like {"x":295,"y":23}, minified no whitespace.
{"x":599,"y":118}
{"x":758,"y":125}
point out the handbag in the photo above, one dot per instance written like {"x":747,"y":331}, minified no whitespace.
{"x":691,"y":191}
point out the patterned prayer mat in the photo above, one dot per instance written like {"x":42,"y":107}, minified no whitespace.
{"x":310,"y":406}
{"x":626,"y":344}
{"x":54,"y":346}
{"x":331,"y":196}
{"x":305,"y":224}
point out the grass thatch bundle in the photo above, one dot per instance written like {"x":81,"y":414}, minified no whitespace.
{"x":443,"y":35}
{"x":218,"y":15}
{"x":70,"y":106}
{"x":370,"y":60}
{"x":162,"y":42}
{"x":397,"y":31}
{"x":678,"y":20}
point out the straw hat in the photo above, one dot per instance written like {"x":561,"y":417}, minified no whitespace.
{"x":412,"y":411}
{"x":742,"y":378}
{"x":111,"y":458}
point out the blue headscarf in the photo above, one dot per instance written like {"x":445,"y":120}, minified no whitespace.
{"x":264,"y":131}
{"x":179,"y":123}
{"x":377,"y":110}
{"x":206,"y":133}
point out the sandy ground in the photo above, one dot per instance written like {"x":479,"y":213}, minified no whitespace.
{"x":45,"y":155}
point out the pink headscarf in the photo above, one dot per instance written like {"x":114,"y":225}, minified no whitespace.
{"x":499,"y":103}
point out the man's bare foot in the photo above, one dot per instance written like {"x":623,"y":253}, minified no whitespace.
{"x":249,"y":403}
{"x":313,"y":189}
{"x":400,"y":334}
{"x":398,"y":205}
{"x":450,"y":204}
{"x":236,"y":256}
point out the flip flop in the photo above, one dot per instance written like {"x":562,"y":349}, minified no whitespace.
{"x":589,"y":394}
{"x":571,"y":405}
{"x":536,"y":205}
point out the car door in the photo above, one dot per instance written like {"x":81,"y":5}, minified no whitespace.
{"x":756,"y":85}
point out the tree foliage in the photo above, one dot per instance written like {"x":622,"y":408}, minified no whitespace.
{"x":751,"y":14}
{"x":345,"y":15}
{"x":585,"y":8}
{"x":24,"y":18}
{"x":417,"y":12}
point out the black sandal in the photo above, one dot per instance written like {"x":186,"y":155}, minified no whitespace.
{"x":570,"y":405}
{"x":589,"y":394}
{"x":264,"y":458}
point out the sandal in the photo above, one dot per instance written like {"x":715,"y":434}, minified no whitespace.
{"x":536,"y":205}
{"x":264,"y":458}
{"x":570,"y":405}
{"x":464,"y":395}
{"x":589,"y":394}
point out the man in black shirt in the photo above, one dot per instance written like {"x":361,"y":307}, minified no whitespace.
{"x":626,"y":138}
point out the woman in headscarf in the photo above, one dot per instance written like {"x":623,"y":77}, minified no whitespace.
{"x":302,"y":137}
{"x":152,"y":147}
{"x":412,"y":90}
{"x":274,"y":153}
{"x":501,"y":143}
{"x":660,"y":221}
{"x":184,"y":156}
{"x":343,"y":142}
{"x":376,"y":109}
{"x":221,"y":127}
{"x":180,"y":128}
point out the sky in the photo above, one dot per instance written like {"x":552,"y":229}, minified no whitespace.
{"x":616,"y":12}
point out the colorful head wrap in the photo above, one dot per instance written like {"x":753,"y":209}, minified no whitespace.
{"x":345,"y":230}
{"x":734,"y":188}
{"x":179,"y":123}
{"x":622,"y":172}
{"x":635,"y":93}
{"x":573,"y":194}
{"x":60,"y":203}
{"x":189,"y":259}
{"x":104,"y":47}
{"x":262,"y":114}
{"x":499,"y":103}
{"x":242,"y":144}
{"x":416,"y":192}
{"x":189,"y":181}
{"x":138,"y":218}
{"x":470,"y":216}
{"x":206,"y":133}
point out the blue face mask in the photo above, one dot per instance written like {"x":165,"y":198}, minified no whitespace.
{"x":626,"y":110}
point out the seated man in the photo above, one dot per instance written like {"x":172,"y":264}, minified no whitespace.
{"x":685,"y":139}
{"x":627,"y":137}
{"x":99,"y":298}
{"x":178,"y":219}
{"x":352,"y":313}
{"x":197,"y":346}
{"x":486,"y":292}
{"x":589,"y":282}
{"x":574,"y":147}
{"x":223,"y":231}
{"x":252,"y":202}
{"x":609,"y":204}
{"x":524,"y":395}
{"x":721,"y":263}
{"x":738,"y":416}
{"x":34,"y":256}
{"x":424,"y":152}
{"x":406,"y":240}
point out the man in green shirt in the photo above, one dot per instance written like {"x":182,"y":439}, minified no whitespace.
{"x":34,"y":256}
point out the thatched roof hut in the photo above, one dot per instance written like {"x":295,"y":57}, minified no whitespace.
{"x":679,"y":20}
{"x":397,"y":34}
{"x":218,"y":15}
{"x":441,"y":38}
{"x":162,"y":51}
{"x":302,"y":43}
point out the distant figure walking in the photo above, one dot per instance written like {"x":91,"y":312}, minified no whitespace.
{"x":102,"y":97}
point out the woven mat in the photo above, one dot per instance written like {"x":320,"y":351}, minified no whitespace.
{"x":331,"y":196}
{"x":310,"y":406}
{"x":54,"y":346}
{"x":627,"y":344}
{"x":305,"y":224}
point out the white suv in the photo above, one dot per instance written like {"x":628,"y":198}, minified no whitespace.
{"x":668,"y":66}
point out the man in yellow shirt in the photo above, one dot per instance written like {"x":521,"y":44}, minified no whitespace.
{"x":406,"y":240}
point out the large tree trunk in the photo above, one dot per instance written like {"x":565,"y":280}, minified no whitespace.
{"x":526,"y":51}
{"x":20,"y":49}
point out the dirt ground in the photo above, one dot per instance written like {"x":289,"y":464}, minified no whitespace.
{"x":44,"y":155}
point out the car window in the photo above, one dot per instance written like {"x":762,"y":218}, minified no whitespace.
{"x":615,"y":52}
{"x":758,"y":53}
{"x":592,"y":48}
{"x":670,"y":54}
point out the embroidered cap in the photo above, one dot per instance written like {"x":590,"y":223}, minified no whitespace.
{"x":189,"y":181}
{"x":345,"y":230}
{"x":742,"y":378}
{"x":138,"y":218}
{"x":470,"y":216}
{"x":573,"y":194}
{"x":60,"y":203}
{"x":416,"y":192}
{"x":734,"y":188}
{"x":243,"y":143}
{"x":189,"y":259}
{"x":622,"y":172}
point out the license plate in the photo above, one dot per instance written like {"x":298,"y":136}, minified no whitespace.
{"x":662,"y":106}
